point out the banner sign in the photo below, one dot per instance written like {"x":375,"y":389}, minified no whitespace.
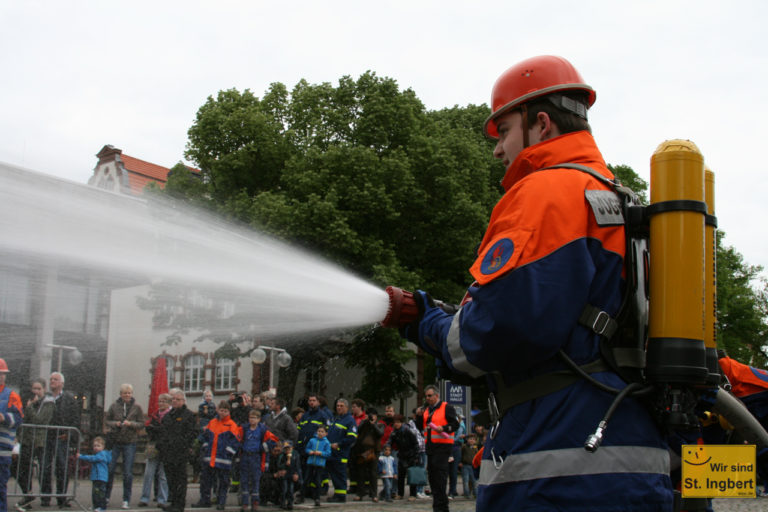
{"x":718,"y":471}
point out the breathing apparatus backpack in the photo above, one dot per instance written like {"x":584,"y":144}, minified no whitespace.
{"x":625,"y":343}
{"x":623,"y":338}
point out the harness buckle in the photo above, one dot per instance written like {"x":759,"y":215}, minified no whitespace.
{"x":601,"y":323}
{"x":493,"y":412}
{"x":493,"y":408}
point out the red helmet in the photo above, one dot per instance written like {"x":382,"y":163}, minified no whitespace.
{"x":3,"y":366}
{"x":533,"y":78}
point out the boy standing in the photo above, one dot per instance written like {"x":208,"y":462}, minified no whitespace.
{"x":288,"y":466}
{"x":255,"y":435}
{"x":221,"y":441}
{"x":468,"y":452}
{"x":387,"y":471}
{"x":99,"y":473}
{"x":318,"y":450}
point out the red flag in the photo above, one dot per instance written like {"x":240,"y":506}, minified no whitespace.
{"x":159,"y":385}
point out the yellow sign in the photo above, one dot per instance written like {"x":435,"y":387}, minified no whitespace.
{"x":718,"y":471}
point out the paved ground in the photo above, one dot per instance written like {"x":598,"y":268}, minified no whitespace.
{"x":457,"y":505}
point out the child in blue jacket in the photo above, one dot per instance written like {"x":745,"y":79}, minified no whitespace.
{"x":318,"y":450}
{"x":252,"y":456}
{"x":99,"y":473}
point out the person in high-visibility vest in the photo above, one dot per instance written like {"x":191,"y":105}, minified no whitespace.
{"x":439,"y":421}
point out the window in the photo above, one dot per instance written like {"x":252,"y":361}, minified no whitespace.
{"x":315,"y":380}
{"x":169,"y":364}
{"x":194,"y":372}
{"x":14,"y":298}
{"x":225,"y":375}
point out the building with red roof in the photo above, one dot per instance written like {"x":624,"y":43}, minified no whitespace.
{"x":126,"y":174}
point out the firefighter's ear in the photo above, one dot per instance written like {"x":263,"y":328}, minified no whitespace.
{"x":544,"y":129}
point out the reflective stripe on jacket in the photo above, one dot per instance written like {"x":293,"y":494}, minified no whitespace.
{"x":343,"y":431}
{"x":310,"y":420}
{"x":221,"y":442}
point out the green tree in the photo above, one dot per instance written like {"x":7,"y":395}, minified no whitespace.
{"x":360,"y":173}
{"x":628,"y":177}
{"x":237,"y":145}
{"x":741,"y":307}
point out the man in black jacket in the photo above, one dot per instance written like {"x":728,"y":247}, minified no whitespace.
{"x":66,"y":414}
{"x":178,"y":430}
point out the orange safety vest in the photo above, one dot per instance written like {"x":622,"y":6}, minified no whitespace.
{"x":438,"y":418}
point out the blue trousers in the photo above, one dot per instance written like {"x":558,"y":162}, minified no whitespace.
{"x":128,"y":451}
{"x":154,"y":468}
{"x":5,"y":475}
{"x":468,"y":479}
{"x":208,"y":476}
{"x":250,"y":478}
{"x":337,"y":469}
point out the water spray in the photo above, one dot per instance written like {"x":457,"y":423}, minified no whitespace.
{"x":277,"y":289}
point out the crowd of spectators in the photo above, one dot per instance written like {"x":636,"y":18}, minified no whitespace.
{"x":254,"y":447}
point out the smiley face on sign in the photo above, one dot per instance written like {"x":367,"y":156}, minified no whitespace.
{"x":696,"y":456}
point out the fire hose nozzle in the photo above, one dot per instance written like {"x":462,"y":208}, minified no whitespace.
{"x":402,"y":308}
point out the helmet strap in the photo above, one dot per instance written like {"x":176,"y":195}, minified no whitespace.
{"x":524,"y":111}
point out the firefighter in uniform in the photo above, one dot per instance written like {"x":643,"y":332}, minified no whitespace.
{"x":544,"y":259}
{"x":342,"y":435}
{"x":10,"y":420}
{"x":310,"y":420}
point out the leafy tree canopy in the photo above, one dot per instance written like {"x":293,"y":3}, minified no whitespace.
{"x":359,"y":172}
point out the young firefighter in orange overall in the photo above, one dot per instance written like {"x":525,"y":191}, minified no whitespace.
{"x":221,"y":441}
{"x":551,"y":256}
{"x":10,"y":420}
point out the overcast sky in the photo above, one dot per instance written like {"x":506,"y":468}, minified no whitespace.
{"x":76,"y":75}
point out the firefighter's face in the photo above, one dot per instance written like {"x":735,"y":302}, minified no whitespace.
{"x":510,"y":142}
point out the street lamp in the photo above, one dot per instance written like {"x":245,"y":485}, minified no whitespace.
{"x":74,"y":358}
{"x":259,"y":355}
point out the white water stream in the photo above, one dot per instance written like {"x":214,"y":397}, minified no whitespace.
{"x":281,"y":289}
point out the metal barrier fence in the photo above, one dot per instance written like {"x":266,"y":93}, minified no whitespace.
{"x":47,"y":454}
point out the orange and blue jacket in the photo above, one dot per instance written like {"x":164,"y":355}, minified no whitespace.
{"x":11,"y":409}
{"x":221,"y":442}
{"x":543,"y":258}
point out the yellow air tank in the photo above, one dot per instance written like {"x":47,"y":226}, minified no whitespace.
{"x":710,"y":282}
{"x":676,"y":350}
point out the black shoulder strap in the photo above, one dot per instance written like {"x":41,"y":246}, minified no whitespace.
{"x":625,"y":353}
{"x":583,"y":168}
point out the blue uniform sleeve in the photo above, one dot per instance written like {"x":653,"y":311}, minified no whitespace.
{"x":520,"y":319}
{"x":13,"y":417}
